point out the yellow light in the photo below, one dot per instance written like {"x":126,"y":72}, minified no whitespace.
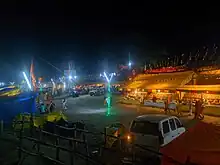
{"x":128,"y":137}
{"x":158,"y":90}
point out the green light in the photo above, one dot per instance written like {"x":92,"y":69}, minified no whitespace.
{"x":108,"y":111}
{"x":109,"y":100}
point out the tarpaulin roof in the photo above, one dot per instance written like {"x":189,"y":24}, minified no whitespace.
{"x":135,"y":84}
{"x":214,"y":88}
{"x":199,"y":145}
{"x":162,"y":80}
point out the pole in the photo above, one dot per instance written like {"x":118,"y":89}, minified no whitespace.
{"x":108,"y":98}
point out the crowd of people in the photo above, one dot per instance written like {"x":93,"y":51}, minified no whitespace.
{"x":209,"y":99}
{"x":45,"y":103}
{"x":167,"y":99}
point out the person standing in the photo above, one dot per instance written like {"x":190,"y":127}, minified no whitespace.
{"x":190,"y":107}
{"x":154,"y":99}
{"x":51,"y":106}
{"x":166,"y":106}
{"x":197,"y":104}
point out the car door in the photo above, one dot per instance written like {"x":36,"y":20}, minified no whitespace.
{"x":166,"y":133}
{"x":146,"y":134}
{"x":180,"y":128}
{"x":173,"y":128}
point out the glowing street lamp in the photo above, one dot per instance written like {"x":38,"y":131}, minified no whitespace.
{"x":108,"y":79}
{"x":12,"y":83}
{"x":27,"y":81}
{"x":129,"y":64}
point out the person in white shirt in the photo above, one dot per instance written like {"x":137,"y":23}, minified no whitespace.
{"x":64,"y":102}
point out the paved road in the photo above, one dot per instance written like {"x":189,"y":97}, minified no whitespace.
{"x":91,"y":110}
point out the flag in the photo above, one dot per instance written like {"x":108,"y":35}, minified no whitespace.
{"x":33,"y":79}
{"x":123,"y":67}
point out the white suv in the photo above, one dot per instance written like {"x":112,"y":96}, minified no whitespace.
{"x":154,"y":131}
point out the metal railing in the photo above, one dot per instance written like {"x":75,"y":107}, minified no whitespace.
{"x":36,"y":136}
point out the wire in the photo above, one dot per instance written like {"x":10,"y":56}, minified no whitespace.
{"x":51,"y":64}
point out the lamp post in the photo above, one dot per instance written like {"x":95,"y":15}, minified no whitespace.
{"x":108,"y":79}
{"x":27,"y":81}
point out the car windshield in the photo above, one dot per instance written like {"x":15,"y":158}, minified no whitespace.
{"x":145,"y":127}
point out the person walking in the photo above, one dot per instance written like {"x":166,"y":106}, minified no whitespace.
{"x":178,"y":110}
{"x":190,"y":108}
{"x":64,"y":103}
{"x":197,"y":104}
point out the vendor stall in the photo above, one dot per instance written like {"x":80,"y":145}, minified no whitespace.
{"x":155,"y":89}
{"x":209,"y":93}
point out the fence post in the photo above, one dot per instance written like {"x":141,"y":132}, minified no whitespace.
{"x":40,"y":138}
{"x":105,"y":136}
{"x":2,"y":127}
{"x":56,"y":131}
{"x":87,"y":148}
{"x":72,"y":158}
{"x":20,"y":139}
{"x":31,"y":124}
{"x":74,"y":143}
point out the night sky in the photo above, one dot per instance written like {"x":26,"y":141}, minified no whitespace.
{"x":92,"y":32}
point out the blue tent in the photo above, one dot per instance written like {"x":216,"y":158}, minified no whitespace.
{"x":12,"y":106}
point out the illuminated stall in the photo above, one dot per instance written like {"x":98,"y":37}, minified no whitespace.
{"x":210,"y":94}
{"x":205,"y":86}
{"x":154,"y":89}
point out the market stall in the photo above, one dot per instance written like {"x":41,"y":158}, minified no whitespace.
{"x":155,"y":89}
{"x":210,"y":94}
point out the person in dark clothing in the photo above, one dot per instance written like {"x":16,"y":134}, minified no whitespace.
{"x":200,"y":115}
{"x":52,"y":107}
{"x":197,"y":104}
{"x":154,"y":99}
{"x":166,"y":106}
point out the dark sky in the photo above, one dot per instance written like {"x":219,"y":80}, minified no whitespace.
{"x":90,"y":32}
